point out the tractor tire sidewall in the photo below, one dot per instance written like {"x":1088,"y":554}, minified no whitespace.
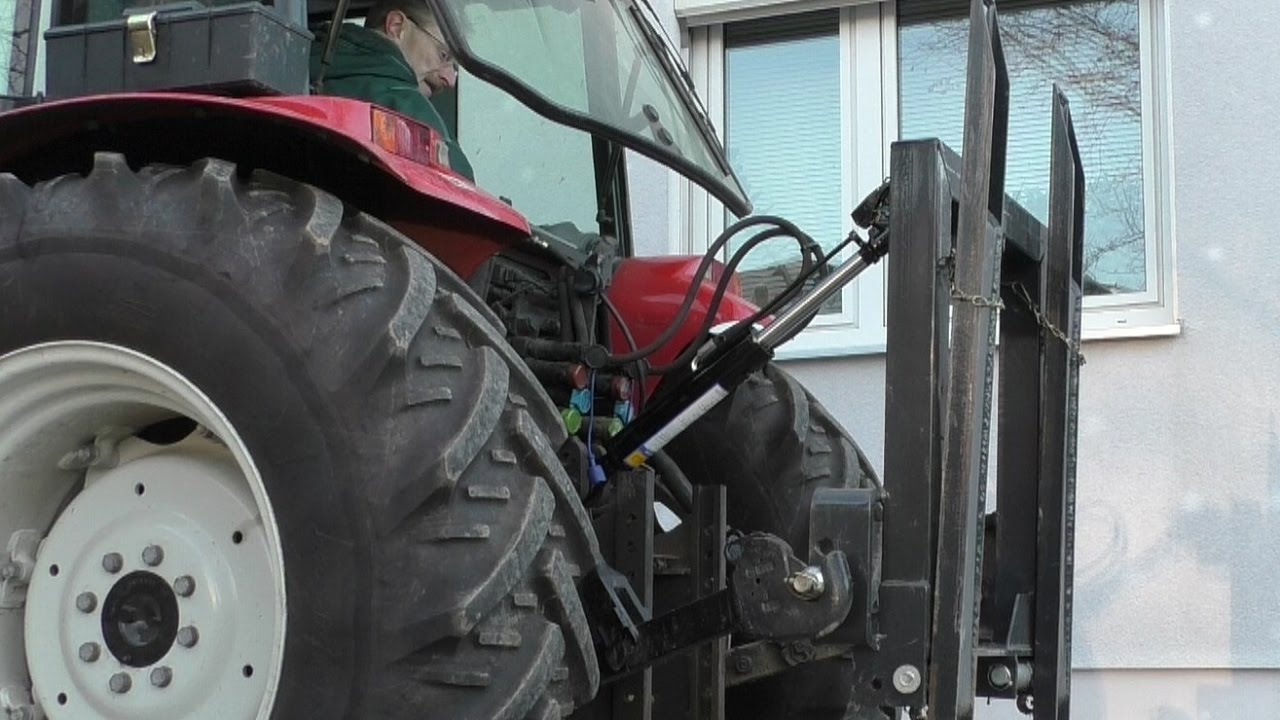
{"x":207,"y":281}
{"x":773,"y":445}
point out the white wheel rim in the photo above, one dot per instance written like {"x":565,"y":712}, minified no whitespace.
{"x":200,"y":501}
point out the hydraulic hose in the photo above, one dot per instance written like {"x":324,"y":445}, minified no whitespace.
{"x":807,"y":245}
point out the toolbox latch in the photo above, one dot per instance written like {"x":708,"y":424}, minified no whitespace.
{"x":142,"y":37}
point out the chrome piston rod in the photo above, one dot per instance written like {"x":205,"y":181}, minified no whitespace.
{"x":795,"y":317}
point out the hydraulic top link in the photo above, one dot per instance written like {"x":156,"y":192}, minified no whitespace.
{"x":730,"y":358}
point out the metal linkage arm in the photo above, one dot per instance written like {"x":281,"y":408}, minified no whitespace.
{"x":772,"y":595}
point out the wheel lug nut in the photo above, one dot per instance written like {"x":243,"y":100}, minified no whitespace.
{"x":112,"y":562}
{"x":90,"y":652}
{"x":185,"y":586}
{"x":153,"y":555}
{"x":120,"y":683}
{"x":86,"y":602}
{"x":161,"y":676}
{"x":188,"y":636}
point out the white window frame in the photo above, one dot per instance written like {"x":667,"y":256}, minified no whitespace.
{"x":869,"y":116}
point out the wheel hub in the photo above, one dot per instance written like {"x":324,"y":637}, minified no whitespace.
{"x":175,"y":516}
{"x":140,"y":618}
{"x":158,"y":591}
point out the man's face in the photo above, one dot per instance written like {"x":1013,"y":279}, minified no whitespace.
{"x":426,"y":53}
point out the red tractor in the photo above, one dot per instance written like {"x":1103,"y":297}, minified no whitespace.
{"x":296,"y":422}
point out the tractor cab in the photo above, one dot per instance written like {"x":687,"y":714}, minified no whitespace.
{"x":550,"y":94}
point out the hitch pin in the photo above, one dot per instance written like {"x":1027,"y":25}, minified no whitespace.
{"x":808,"y":584}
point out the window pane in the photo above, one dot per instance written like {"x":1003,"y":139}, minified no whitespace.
{"x":597,"y":62}
{"x":546,"y":171}
{"x":782,"y":107}
{"x":1091,"y":49}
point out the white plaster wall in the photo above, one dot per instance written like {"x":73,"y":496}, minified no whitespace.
{"x":1164,"y":695}
{"x":650,"y":185}
{"x":1178,"y":560}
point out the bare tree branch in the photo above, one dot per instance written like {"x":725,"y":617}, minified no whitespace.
{"x":1091,"y":49}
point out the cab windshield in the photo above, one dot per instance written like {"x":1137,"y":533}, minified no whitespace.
{"x":600,"y":66}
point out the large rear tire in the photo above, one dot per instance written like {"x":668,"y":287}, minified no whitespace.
{"x":416,"y":539}
{"x":773,"y":444}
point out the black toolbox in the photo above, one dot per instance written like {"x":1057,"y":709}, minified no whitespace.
{"x":241,"y":49}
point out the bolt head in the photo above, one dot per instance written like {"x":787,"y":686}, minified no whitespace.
{"x":161,"y":676}
{"x":90,"y":652}
{"x":906,"y":679}
{"x":743,"y":664}
{"x":113,"y":562}
{"x":9,"y":571}
{"x":1000,"y":677}
{"x":802,"y":649}
{"x":809,"y":583}
{"x":120,"y":683}
{"x":188,"y":636}
{"x":184,"y":586}
{"x":86,"y":602}
{"x":153,"y":555}
{"x":733,"y":551}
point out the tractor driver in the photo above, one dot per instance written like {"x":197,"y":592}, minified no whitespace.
{"x":397,"y":60}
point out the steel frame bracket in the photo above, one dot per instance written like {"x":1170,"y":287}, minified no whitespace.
{"x":761,"y":600}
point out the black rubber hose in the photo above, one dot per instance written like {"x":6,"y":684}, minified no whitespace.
{"x":642,"y":373}
{"x":722,"y":288}
{"x":671,"y":477}
{"x":683,"y":313}
{"x":798,"y":286}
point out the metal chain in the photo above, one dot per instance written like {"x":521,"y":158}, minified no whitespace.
{"x":948,"y":264}
{"x":978,"y":300}
{"x":982,"y":301}
{"x":1020,"y":292}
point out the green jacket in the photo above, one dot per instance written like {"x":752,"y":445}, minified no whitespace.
{"x":367,"y":66}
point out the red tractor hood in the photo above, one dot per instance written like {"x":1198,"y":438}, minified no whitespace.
{"x":649,"y":291}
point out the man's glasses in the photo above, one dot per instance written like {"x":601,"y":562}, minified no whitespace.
{"x":446,"y":57}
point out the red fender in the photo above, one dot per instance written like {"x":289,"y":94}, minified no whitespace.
{"x":324,"y":141}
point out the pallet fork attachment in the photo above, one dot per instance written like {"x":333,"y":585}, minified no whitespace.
{"x":950,"y":602}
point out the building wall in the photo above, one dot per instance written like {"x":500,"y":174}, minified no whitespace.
{"x":1178,"y":538}
{"x":1164,"y":695}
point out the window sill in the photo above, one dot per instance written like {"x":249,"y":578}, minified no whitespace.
{"x":837,"y":343}
{"x":1128,"y":333}
{"x":833,"y":340}
{"x":794,"y":350}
